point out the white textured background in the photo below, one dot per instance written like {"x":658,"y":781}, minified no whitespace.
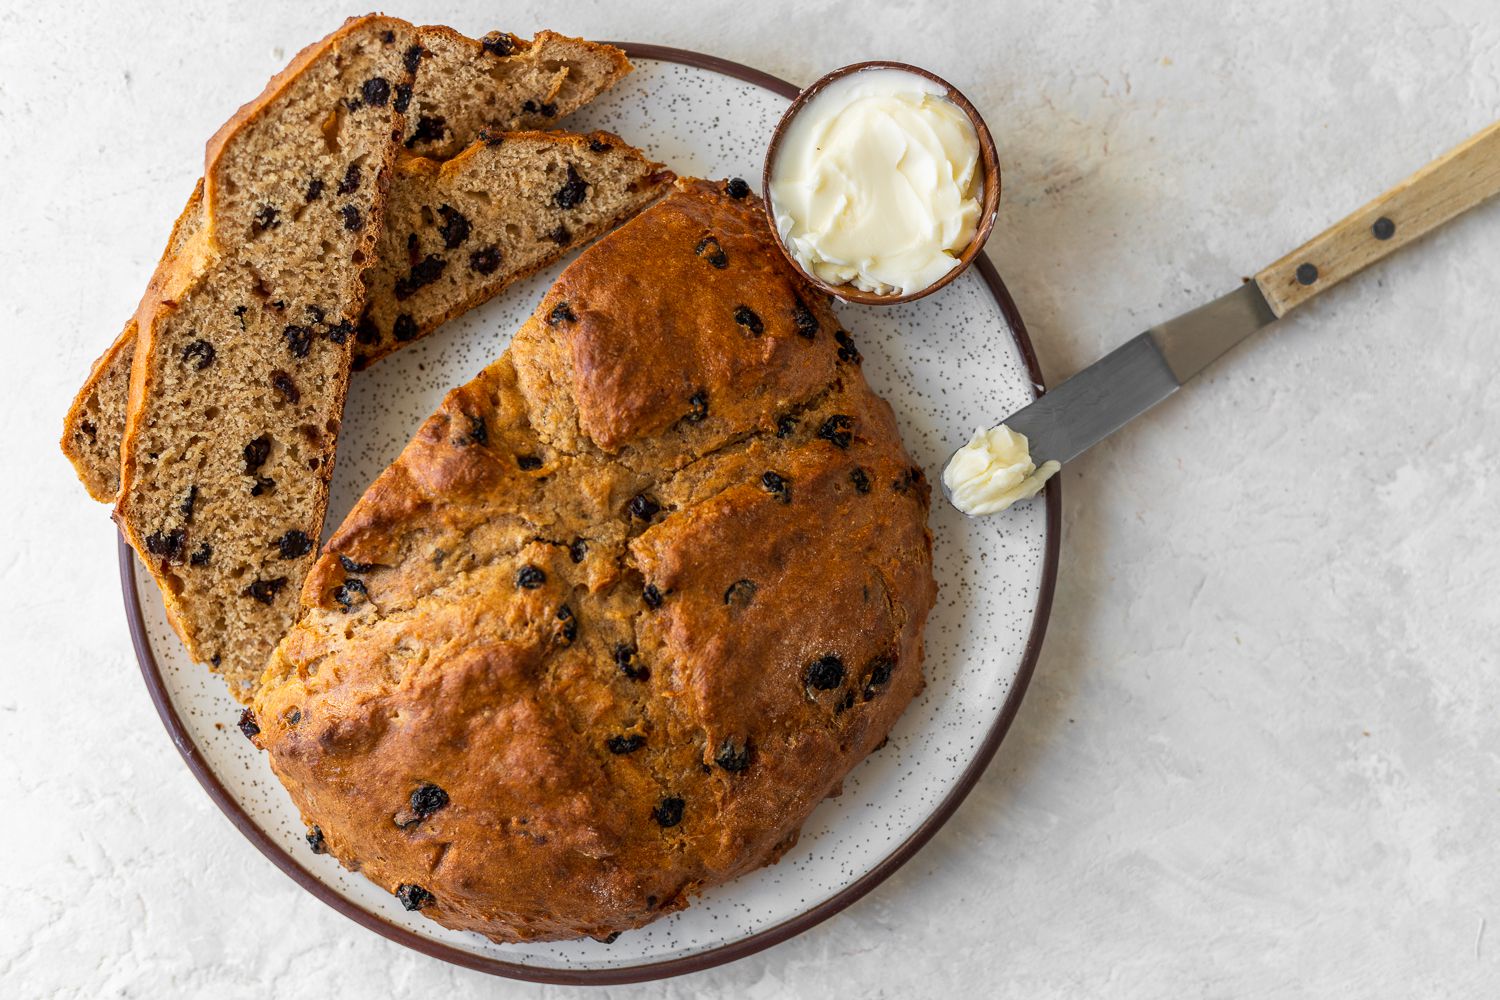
{"x":1259,"y":754}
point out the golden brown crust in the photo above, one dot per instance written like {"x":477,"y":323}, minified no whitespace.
{"x":642,"y":355}
{"x":79,"y":431}
{"x":558,"y":711}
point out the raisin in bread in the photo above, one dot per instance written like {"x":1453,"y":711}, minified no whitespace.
{"x":625,"y":609}
{"x":458,"y":232}
{"x":509,"y":221}
{"x":470,"y":88}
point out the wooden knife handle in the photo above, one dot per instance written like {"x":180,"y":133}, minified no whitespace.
{"x":1446,"y":187}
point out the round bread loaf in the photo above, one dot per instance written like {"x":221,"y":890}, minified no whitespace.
{"x":628,"y":606}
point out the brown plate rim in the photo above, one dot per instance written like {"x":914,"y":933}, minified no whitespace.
{"x":722,"y":954}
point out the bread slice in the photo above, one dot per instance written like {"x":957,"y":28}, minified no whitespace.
{"x":242,"y":349}
{"x":499,"y":193}
{"x":456,"y":233}
{"x":469,"y":88}
{"x":502,"y":82}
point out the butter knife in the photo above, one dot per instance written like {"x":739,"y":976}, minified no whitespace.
{"x":1083,"y":410}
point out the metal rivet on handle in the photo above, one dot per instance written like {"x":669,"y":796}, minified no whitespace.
{"x":1383,"y":228}
{"x":1306,"y":274}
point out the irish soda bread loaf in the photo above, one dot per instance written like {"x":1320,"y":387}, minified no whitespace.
{"x":624,"y":610}
{"x":245,"y":337}
{"x":509,"y":183}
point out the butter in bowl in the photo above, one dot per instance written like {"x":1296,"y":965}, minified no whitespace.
{"x":881,"y":183}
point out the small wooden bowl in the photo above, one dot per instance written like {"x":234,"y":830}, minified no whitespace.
{"x":989,"y":163}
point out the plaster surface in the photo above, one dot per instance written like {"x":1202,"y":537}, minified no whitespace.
{"x":1258,"y":756}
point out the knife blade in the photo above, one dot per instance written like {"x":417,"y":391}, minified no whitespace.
{"x":1128,"y":381}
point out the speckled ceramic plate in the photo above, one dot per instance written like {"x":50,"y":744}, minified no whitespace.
{"x":947,"y":363}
